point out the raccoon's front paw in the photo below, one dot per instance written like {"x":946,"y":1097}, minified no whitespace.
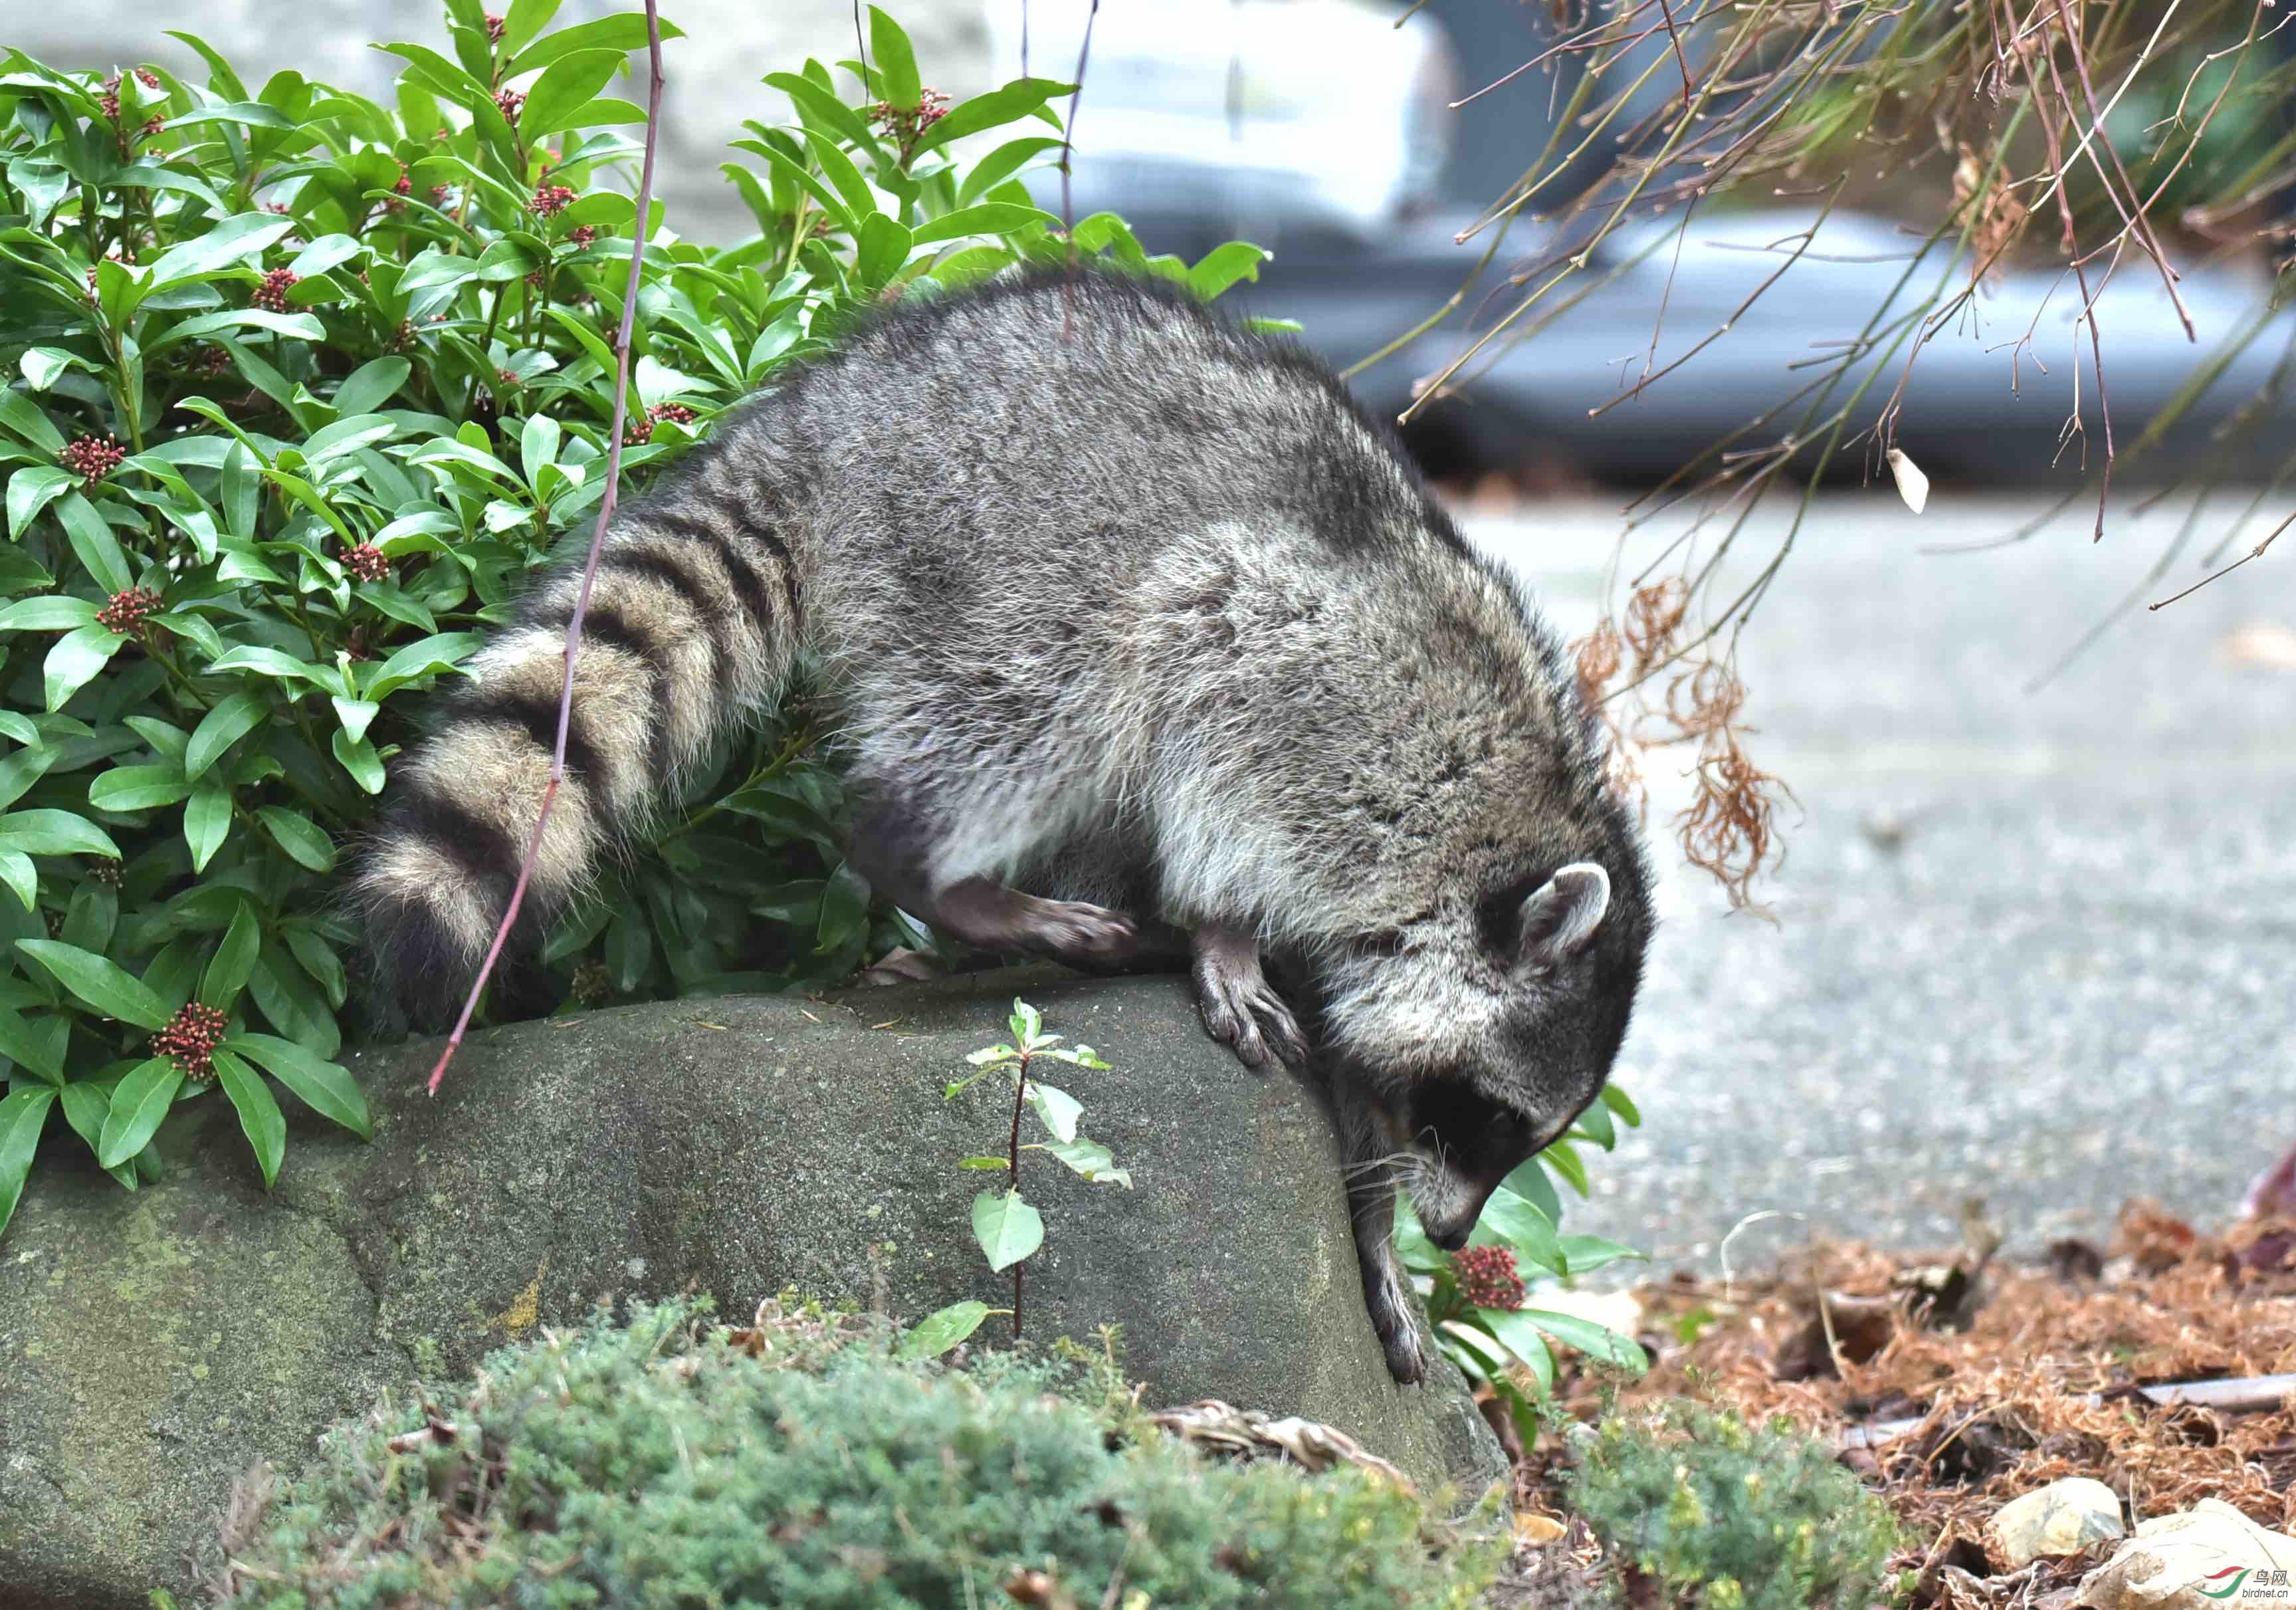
{"x":1252,"y":1022}
{"x":1392,"y":1318}
{"x":1241,"y":1009}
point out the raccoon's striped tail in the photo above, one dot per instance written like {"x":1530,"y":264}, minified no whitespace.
{"x":691,"y":625}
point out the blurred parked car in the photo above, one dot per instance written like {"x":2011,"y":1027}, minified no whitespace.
{"x":1322,"y":130}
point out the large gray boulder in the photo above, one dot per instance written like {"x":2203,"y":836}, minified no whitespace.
{"x":154,"y":1345}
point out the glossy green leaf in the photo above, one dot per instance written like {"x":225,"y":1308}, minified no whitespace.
{"x":93,"y":543}
{"x":1622,"y":1105}
{"x":894,"y":60}
{"x":1562,"y":1157}
{"x":129,"y":788}
{"x":1595,"y":1124}
{"x":139,"y":1106}
{"x":99,"y":983}
{"x":231,"y":719}
{"x":56,"y":832}
{"x":1596,"y":1341}
{"x":1225,"y":266}
{"x":259,"y":1117}
{"x":624,"y":31}
{"x":987,"y":217}
{"x":1519,"y":1223}
{"x":53,"y":615}
{"x":75,"y":660}
{"x":233,"y":240}
{"x":207,"y":823}
{"x":1059,"y":1110}
{"x":22,"y":877}
{"x":233,"y":961}
{"x":300,"y":836}
{"x":1088,"y":1158}
{"x":1587,"y":1254}
{"x":1007,"y":1228}
{"x":567,"y":85}
{"x":30,"y":490}
{"x":937,"y":1333}
{"x":1520,"y":1336}
{"x":326,"y":1087}
{"x":23,"y":1113}
{"x":1021,"y":98}
{"x":1530,"y":1182}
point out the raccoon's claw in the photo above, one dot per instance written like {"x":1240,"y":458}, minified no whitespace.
{"x":1241,"y":1009}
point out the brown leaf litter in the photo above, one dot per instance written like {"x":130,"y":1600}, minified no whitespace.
{"x":1956,"y":1384}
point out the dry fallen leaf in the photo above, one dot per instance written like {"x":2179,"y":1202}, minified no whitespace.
{"x":1912,"y":486}
{"x":1537,"y":1530}
{"x":902,"y":966}
{"x":1223,"y":1428}
{"x":2184,"y":1562}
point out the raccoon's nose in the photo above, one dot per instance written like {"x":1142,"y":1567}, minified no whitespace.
{"x":1453,"y":1240}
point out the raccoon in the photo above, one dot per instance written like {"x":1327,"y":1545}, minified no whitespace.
{"x":1142,"y":638}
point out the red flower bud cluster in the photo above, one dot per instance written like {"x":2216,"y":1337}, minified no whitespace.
{"x":510,"y":102}
{"x":125,"y":614}
{"x":549,"y":200}
{"x":93,"y":457}
{"x":906,"y":123}
{"x":1487,"y":1277}
{"x":109,"y":100}
{"x":272,"y":293}
{"x":191,"y":1037}
{"x":640,"y":431}
{"x":495,"y":22}
{"x":367,"y":561}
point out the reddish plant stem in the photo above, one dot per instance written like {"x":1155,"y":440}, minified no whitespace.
{"x":597,"y":540}
{"x":1013,"y":1178}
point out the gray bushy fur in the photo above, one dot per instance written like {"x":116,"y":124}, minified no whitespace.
{"x":1142,"y":636}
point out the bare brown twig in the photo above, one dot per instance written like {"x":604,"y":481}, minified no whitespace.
{"x":2257,"y":552}
{"x":640,"y":228}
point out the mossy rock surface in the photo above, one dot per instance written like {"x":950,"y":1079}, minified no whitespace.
{"x":153,"y":1345}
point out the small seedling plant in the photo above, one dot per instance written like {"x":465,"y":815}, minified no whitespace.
{"x":1477,"y":1298}
{"x":1007,"y":1227}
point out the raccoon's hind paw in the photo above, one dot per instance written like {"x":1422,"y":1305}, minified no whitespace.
{"x":982,"y":912}
{"x":1241,"y":1008}
{"x":1069,"y":931}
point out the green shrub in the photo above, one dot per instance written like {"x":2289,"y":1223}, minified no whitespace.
{"x":299,"y":384}
{"x":793,"y":1466}
{"x":1731,"y":1518}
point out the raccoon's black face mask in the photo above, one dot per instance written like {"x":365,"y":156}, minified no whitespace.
{"x":1496,"y":1044}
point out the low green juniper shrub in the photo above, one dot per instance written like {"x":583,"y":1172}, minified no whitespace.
{"x":1725,"y":1516}
{"x":295,"y":385}
{"x":798,"y":1463}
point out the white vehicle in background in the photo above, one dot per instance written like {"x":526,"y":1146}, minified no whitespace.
{"x":1322,"y":130}
{"x":1276,"y":113}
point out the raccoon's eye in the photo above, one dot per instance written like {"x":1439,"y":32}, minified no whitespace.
{"x":1458,"y":1114}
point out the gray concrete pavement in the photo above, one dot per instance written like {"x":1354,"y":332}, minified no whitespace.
{"x":2039,"y":948}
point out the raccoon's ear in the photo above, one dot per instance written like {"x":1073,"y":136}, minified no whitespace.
{"x":1561,"y":917}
